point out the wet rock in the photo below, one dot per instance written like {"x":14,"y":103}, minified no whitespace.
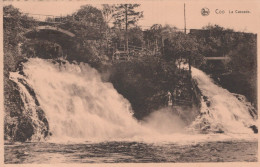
{"x":42,"y":118}
{"x":253,"y":112}
{"x":219,"y":131}
{"x":18,"y":125}
{"x":9,"y":130}
{"x":30,"y":90}
{"x":24,"y":130}
{"x":208,"y":103}
{"x":205,"y":98}
{"x":254,"y":128}
{"x":13,"y":107}
{"x":19,"y":66}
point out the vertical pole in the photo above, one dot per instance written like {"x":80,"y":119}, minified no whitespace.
{"x":126,"y":27}
{"x":184,"y":19}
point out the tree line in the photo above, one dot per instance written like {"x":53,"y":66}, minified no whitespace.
{"x":144,"y":81}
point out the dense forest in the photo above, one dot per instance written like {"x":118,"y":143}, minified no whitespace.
{"x":149,"y":71}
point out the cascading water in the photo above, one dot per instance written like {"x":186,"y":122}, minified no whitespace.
{"x":31,"y":110}
{"x":78,"y":105}
{"x":222,"y":111}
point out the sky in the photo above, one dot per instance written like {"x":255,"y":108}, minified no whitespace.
{"x":164,"y":12}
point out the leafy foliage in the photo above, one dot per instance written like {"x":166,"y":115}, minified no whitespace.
{"x":136,"y":36}
{"x":42,"y":49}
{"x":144,"y":83}
{"x":239,"y":73}
{"x":182,"y":47}
{"x":89,"y":26}
{"x":86,"y":23}
{"x":14,"y":25}
{"x":107,"y":11}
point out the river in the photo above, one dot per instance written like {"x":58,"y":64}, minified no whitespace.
{"x":90,"y":122}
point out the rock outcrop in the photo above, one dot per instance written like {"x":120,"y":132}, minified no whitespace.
{"x":18,"y":122}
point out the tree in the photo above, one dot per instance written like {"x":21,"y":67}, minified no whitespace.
{"x":153,"y":34}
{"x":107,"y":12}
{"x":15,"y":23}
{"x":89,"y":26}
{"x":239,"y":74}
{"x":156,"y":35}
{"x":144,"y":83}
{"x":86,"y":23}
{"x":180,"y":46}
{"x":126,"y":14}
{"x":135,"y":36}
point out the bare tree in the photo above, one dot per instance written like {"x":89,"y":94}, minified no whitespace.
{"x":126,"y":14}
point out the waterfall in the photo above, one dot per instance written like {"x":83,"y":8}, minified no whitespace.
{"x":76,"y":101}
{"x":33,"y":119}
{"x":222,"y":111}
{"x":79,"y":105}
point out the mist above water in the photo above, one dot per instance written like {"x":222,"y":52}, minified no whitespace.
{"x":79,"y":106}
{"x":165,"y":122}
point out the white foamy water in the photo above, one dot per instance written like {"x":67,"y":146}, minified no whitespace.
{"x":29,"y":106}
{"x":77,"y":103}
{"x":80,"y":107}
{"x":224,"y":112}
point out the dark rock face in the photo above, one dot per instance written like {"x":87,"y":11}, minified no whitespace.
{"x":13,"y":105}
{"x":18,"y":124}
{"x":24,"y":130}
{"x":254,"y":128}
{"x":42,"y":118}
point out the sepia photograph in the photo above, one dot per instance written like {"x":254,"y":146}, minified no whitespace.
{"x":111,"y":82}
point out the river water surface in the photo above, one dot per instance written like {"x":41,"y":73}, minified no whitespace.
{"x":125,"y":152}
{"x":80,"y":107}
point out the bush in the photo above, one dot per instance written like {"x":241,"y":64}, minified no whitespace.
{"x":239,"y":75}
{"x":144,"y":83}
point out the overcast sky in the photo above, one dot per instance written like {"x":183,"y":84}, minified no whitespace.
{"x":164,"y":12}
